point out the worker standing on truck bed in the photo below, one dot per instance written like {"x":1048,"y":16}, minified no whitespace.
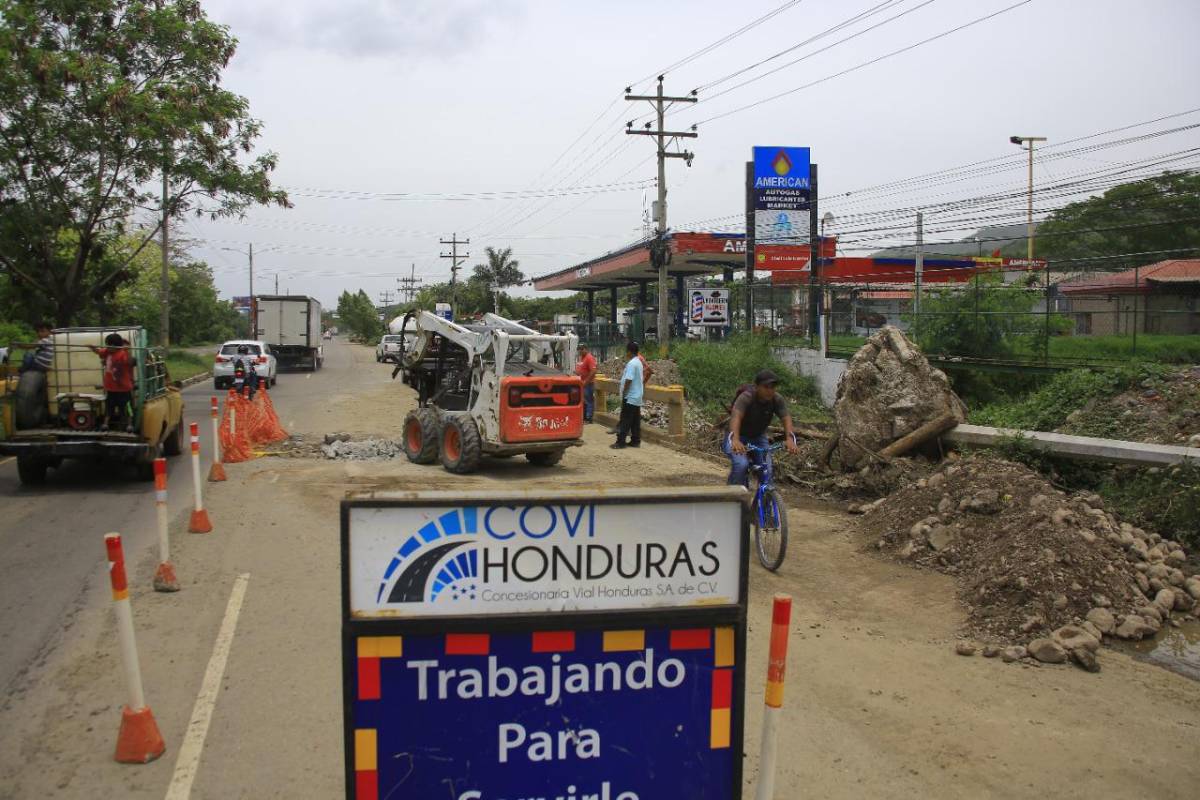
{"x":118,"y":383}
{"x":41,"y":359}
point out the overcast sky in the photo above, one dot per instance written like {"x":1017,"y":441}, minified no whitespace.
{"x":427,"y":102}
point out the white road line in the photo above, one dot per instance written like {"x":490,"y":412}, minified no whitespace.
{"x":6,"y":460}
{"x":188,"y":761}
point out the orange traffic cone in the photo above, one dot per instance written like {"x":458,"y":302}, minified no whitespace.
{"x":139,"y":741}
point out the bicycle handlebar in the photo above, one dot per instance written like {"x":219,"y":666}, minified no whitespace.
{"x":753,"y":448}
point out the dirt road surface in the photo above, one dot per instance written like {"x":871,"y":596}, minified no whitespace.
{"x":877,"y":703}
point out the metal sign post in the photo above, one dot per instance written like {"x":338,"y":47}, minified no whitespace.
{"x":509,"y":645}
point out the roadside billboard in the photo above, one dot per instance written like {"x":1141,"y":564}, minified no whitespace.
{"x":471,"y":672}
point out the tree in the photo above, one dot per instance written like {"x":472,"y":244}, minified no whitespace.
{"x":500,"y":270}
{"x":98,"y":99}
{"x":357,"y":314}
{"x":197,"y":315}
{"x":1158,"y":217}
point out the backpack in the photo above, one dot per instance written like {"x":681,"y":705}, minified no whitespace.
{"x":745,"y":387}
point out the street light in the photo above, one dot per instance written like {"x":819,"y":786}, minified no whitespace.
{"x":1021,"y":141}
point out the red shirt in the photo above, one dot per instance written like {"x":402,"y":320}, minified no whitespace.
{"x":586,"y":368}
{"x":118,"y":370}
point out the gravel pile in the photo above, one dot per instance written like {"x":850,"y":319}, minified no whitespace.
{"x":665,"y":372}
{"x":362,"y":450}
{"x":1042,"y":574}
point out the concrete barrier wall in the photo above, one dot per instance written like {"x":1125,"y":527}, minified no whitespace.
{"x":825,"y":371}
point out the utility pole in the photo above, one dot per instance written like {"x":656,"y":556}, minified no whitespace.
{"x":385,"y":299}
{"x":455,"y":263}
{"x":165,"y":288}
{"x":276,"y":283}
{"x":1022,"y":141}
{"x":658,"y":251}
{"x":408,"y":286}
{"x":253,"y":305}
{"x":919,"y":272}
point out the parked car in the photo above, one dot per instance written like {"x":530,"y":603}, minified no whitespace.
{"x":265,"y":363}
{"x":388,"y":348}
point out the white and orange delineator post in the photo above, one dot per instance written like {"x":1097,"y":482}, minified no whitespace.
{"x":217,"y":471}
{"x":164,"y":576}
{"x":199,"y":523}
{"x":139,"y":741}
{"x":781,"y":617}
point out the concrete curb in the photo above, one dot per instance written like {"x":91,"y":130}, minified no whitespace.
{"x":192,"y":381}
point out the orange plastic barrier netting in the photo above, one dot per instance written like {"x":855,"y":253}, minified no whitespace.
{"x":235,"y":444}
{"x":268,"y":428}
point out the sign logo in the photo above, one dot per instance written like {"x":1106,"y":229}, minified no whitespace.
{"x":782,"y":164}
{"x":430,"y":564}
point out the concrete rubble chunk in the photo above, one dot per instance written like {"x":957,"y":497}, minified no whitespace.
{"x":1103,"y":619}
{"x":1014,"y":653}
{"x":964,"y":648}
{"x":1164,"y":601}
{"x":1073,"y":637}
{"x":888,"y":379}
{"x":941,"y":537}
{"x":1047,"y":651}
{"x":1085,"y":659}
{"x":1134,"y":628}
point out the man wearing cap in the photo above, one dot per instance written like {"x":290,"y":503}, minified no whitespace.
{"x":748,"y":422}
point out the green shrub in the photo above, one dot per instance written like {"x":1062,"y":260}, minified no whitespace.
{"x":1048,"y":406}
{"x":1163,"y":500}
{"x":712,"y":371}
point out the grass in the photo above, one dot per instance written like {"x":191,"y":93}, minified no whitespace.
{"x":182,"y":365}
{"x":1163,"y":348}
{"x":1048,"y":406}
{"x":712,"y":372}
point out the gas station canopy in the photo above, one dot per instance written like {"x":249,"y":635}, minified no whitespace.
{"x":690,"y":254}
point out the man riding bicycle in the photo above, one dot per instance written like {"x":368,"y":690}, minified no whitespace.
{"x":749,"y":419}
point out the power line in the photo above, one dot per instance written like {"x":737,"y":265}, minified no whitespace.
{"x":868,"y":63}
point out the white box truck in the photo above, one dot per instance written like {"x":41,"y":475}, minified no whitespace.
{"x":291,"y":325}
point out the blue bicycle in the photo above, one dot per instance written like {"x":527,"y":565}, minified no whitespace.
{"x":768,"y":514}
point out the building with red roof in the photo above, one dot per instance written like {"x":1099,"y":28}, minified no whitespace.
{"x":1156,"y":298}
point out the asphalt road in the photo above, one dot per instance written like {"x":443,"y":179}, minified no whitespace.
{"x":52,"y":535}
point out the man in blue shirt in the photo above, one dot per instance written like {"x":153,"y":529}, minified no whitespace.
{"x":631,"y":401}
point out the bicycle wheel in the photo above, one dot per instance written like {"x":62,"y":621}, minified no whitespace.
{"x":770,"y":530}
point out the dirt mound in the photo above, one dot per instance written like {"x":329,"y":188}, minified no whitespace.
{"x":665,"y":372}
{"x":1163,"y":409}
{"x":888,"y":391}
{"x":1029,"y":558}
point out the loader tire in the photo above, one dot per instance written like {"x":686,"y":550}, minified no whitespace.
{"x":461,"y":447}
{"x":31,"y":470}
{"x":421,"y":436}
{"x":31,"y":399}
{"x":545,"y":459}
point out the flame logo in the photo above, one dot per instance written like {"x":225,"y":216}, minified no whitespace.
{"x":782,"y":164}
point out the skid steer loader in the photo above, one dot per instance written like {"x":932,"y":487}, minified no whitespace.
{"x":492,"y":388}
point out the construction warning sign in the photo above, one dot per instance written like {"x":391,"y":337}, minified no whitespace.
{"x":636,"y":702}
{"x":781,"y":179}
